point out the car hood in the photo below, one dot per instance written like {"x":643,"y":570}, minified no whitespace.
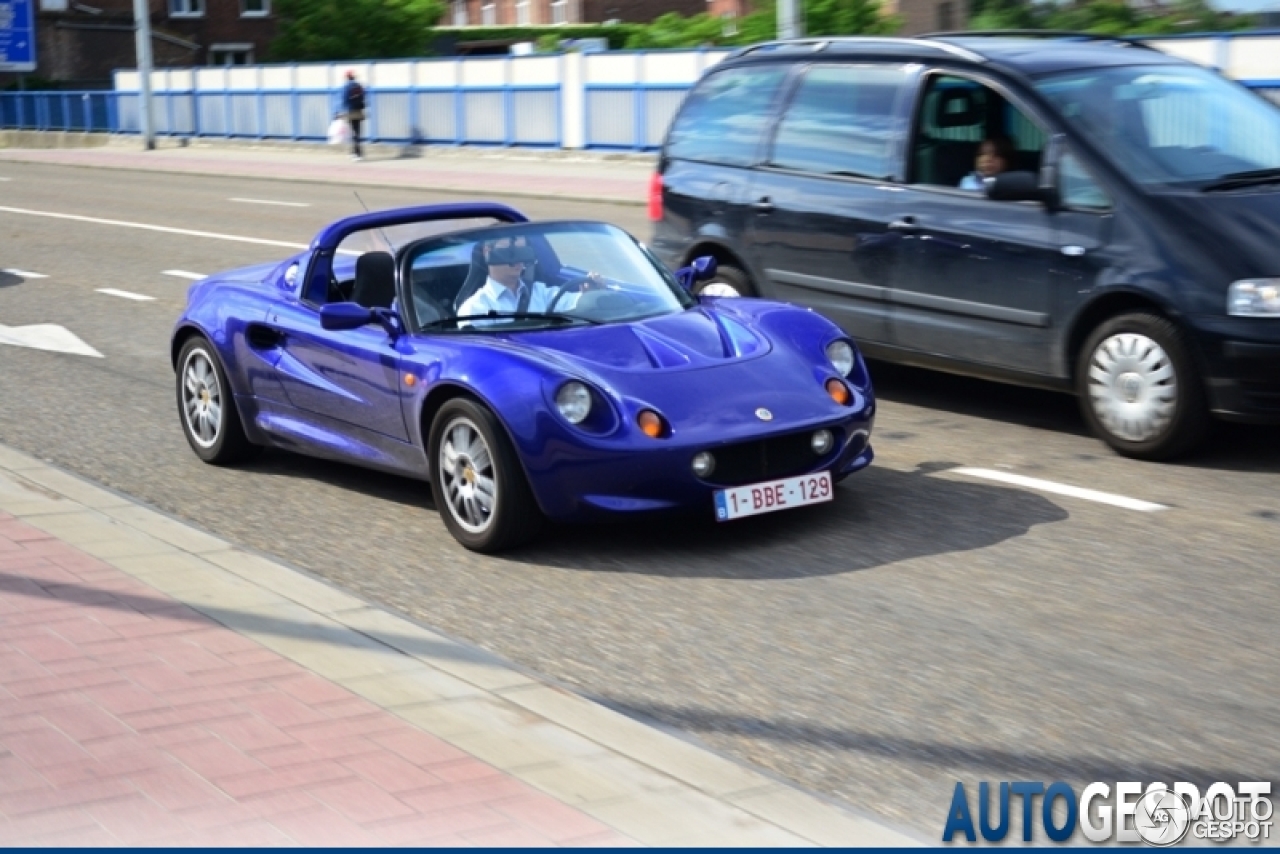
{"x":699,"y":338}
{"x":1246,"y":223}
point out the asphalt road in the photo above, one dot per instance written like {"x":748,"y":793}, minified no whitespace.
{"x":928,"y":626}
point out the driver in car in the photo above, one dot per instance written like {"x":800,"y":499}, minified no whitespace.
{"x":506,"y":291}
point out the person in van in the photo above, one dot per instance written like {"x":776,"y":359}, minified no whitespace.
{"x":995,"y":155}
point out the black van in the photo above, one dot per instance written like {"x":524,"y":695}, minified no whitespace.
{"x":1129,"y":250}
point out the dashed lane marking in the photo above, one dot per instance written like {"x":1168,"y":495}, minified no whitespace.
{"x":146,"y":226}
{"x":112,"y":292}
{"x":1062,"y":489}
{"x":270,"y":202}
{"x":26,"y":274}
{"x":183,"y":274}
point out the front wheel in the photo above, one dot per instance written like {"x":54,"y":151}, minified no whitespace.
{"x":727,"y":282}
{"x":1139,"y":388}
{"x":480,"y":488}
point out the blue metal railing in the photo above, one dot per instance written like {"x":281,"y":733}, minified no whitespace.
{"x":619,"y":116}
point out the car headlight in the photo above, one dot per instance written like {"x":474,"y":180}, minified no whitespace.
{"x":574,"y":402}
{"x":840,"y":353}
{"x":1254,"y":298}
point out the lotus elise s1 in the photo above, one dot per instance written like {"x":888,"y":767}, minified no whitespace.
{"x":527,"y":370}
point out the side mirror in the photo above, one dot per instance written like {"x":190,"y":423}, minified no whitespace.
{"x":1018,"y":187}
{"x":345,"y":315}
{"x":704,"y":267}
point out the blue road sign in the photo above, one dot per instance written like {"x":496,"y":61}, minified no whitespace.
{"x":17,"y":35}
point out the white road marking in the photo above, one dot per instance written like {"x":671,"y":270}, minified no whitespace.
{"x":112,"y":292}
{"x":46,"y":336}
{"x":1062,"y":489}
{"x":183,"y":274}
{"x":6,"y":179}
{"x":26,"y":274}
{"x":269,"y":202}
{"x":261,"y":241}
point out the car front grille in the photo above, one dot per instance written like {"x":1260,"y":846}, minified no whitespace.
{"x":766,"y":459}
{"x":1263,"y":397}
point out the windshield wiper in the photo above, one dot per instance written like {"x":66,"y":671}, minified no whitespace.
{"x":445,"y":322}
{"x":1250,"y":178}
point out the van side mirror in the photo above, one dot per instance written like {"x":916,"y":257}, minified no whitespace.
{"x":1019,"y":187}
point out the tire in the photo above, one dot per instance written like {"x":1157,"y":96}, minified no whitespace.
{"x":462,"y":435}
{"x":1139,"y":388}
{"x":207,"y":406}
{"x":731,"y":277}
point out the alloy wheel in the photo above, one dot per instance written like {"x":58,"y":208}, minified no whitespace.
{"x":202,"y":403}
{"x":468,"y":476}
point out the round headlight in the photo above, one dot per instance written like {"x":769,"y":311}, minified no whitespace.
{"x":574,"y":402}
{"x":841,"y":355}
{"x":821,"y":442}
{"x":704,"y":464}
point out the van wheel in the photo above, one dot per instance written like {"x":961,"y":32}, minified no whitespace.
{"x":727,"y":282}
{"x":479,"y":486}
{"x":1139,"y":388}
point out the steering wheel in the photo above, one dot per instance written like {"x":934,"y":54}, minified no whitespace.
{"x":570,"y":285}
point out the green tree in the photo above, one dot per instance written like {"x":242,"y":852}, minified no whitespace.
{"x":822,"y":18}
{"x":320,"y":30}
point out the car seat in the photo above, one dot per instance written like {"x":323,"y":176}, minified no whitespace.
{"x":375,"y":285}
{"x":942,"y":159}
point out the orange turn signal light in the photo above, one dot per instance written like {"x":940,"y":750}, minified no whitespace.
{"x":839,"y":392}
{"x":651,"y":424}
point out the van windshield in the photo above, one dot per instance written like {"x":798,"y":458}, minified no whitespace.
{"x":1178,"y":126}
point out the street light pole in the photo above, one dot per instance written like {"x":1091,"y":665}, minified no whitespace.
{"x":142,"y":32}
{"x":789,"y":23}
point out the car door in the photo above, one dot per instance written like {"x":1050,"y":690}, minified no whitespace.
{"x":823,"y":201}
{"x":347,"y":376}
{"x":974,"y":283}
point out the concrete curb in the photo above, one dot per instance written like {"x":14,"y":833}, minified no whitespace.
{"x":644,"y":782}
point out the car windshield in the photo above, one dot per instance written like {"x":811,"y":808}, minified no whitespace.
{"x":1178,"y":126}
{"x":536,"y":276}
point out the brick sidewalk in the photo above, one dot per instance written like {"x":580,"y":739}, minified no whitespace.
{"x":129,"y":718}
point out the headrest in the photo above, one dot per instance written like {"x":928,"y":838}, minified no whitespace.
{"x":956,"y":108}
{"x":512,"y":255}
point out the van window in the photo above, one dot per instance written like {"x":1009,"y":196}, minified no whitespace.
{"x":956,"y":114}
{"x":1175,"y":125}
{"x":1079,"y":190}
{"x":724,"y":118}
{"x":841,"y":121}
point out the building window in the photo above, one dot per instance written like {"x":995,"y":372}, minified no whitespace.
{"x":522,"y":13}
{"x":186,"y":8}
{"x":559,"y":11}
{"x":255,"y":8}
{"x":231,"y":54}
{"x":489,"y":14}
{"x":946,"y":16}
{"x":459,"y":13}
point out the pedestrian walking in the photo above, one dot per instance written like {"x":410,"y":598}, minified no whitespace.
{"x":353,"y":103}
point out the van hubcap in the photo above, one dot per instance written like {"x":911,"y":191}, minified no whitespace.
{"x":1133,"y":387}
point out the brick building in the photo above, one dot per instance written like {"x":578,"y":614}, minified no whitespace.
{"x":918,"y":16}
{"x":79,"y":44}
{"x":519,"y":13}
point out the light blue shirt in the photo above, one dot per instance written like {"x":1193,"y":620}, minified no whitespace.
{"x":495,"y":296}
{"x":973,"y":181}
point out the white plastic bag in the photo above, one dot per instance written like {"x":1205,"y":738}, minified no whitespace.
{"x":339,"y":132}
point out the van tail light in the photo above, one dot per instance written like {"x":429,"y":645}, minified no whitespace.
{"x":655,"y":197}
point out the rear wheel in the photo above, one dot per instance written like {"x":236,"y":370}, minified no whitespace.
{"x":727,"y":282}
{"x":1139,"y":388}
{"x":480,"y":488}
{"x":207,"y":408}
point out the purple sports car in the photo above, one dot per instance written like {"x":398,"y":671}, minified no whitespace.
{"x":528,"y":370}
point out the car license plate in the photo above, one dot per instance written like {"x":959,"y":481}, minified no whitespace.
{"x":757,"y":498}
